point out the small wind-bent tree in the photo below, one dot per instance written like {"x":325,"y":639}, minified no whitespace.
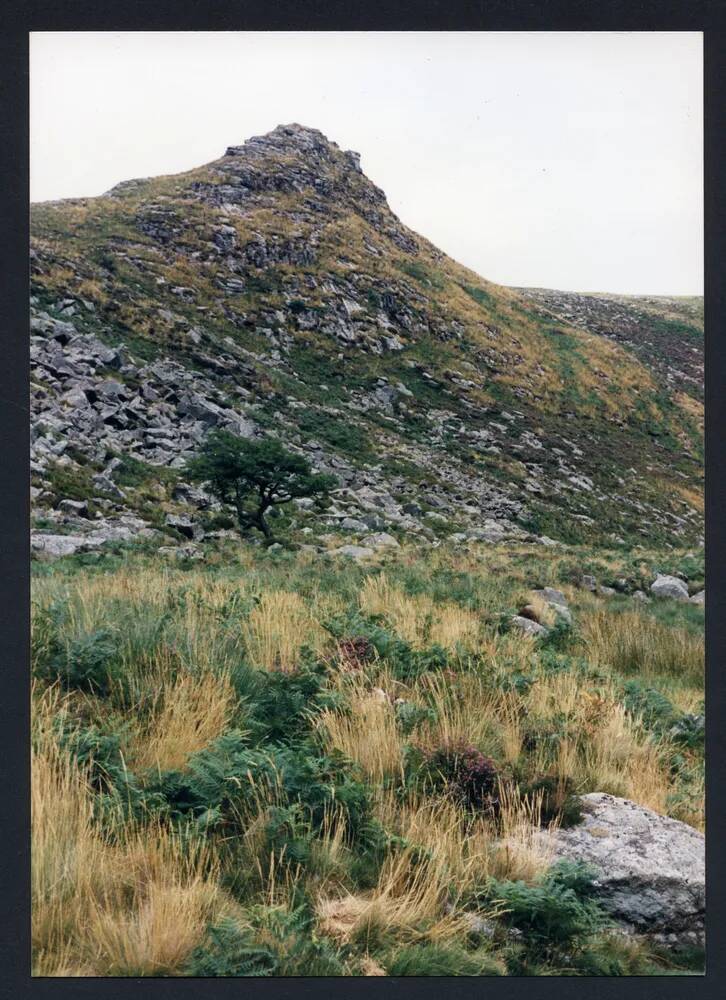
{"x":254,"y":475}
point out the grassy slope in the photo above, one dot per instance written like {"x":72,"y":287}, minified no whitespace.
{"x":215,"y":748}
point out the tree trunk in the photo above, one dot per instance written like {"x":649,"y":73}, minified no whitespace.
{"x":261,"y":523}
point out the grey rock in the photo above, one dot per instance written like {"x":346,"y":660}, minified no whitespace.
{"x":353,"y":524}
{"x":354,"y":552}
{"x":178,"y":552}
{"x":56,"y":545}
{"x":669,"y":586}
{"x":699,"y":598}
{"x":381,"y":540}
{"x":606,"y":591}
{"x":185,"y":526}
{"x":194,"y":496}
{"x":109,"y":531}
{"x":105,"y":484}
{"x":527,"y":627}
{"x":552,"y":596}
{"x":412,"y":508}
{"x":651,"y":868}
{"x":589,"y":583}
{"x":641,"y":596}
{"x":546,"y":540}
{"x":556,"y":600}
{"x":77,"y":507}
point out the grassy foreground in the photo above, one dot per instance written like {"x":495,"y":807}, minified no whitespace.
{"x":282,"y":764}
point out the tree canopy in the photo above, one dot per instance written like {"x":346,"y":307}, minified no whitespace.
{"x":254,"y":475}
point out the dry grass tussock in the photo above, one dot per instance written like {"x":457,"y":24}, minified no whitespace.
{"x":523,"y":850}
{"x":631,"y":642}
{"x":193,"y":710}
{"x":367,"y":734}
{"x":416,"y":893}
{"x":408,"y":901}
{"x":470,"y":847}
{"x":278,"y":627}
{"x":603,"y":748}
{"x":136,"y":905}
{"x":420,"y":620}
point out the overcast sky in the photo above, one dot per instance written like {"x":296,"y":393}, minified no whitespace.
{"x":564,"y":160}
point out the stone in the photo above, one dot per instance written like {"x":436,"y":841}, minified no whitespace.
{"x":669,"y":586}
{"x":528,"y":627}
{"x":606,"y":591}
{"x":77,"y":507}
{"x":381,"y":540}
{"x":354,"y":552}
{"x":106,"y":485}
{"x":651,"y":868}
{"x":546,"y":540}
{"x":640,"y":595}
{"x":589,"y":583}
{"x":563,"y":613}
{"x":304,"y":503}
{"x":106,"y":531}
{"x":353,"y":524}
{"x":699,"y":598}
{"x":185,"y":526}
{"x":56,"y":545}
{"x":552,"y":596}
{"x":413,"y":509}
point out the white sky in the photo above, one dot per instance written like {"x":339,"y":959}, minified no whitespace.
{"x":565,"y":160}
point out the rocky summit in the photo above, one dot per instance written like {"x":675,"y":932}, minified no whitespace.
{"x":274,"y":292}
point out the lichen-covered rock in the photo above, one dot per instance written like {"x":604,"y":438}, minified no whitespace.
{"x":669,"y":586}
{"x":354,"y":551}
{"x":56,"y":545}
{"x":651,"y":869}
{"x":381,"y":540}
{"x":552,"y":596}
{"x":528,"y":627}
{"x":555,"y":600}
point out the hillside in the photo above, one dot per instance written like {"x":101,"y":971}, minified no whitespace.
{"x":274,"y":291}
{"x":665,"y":333}
{"x":428,"y":730}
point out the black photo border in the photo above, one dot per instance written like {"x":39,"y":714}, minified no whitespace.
{"x":707,"y":16}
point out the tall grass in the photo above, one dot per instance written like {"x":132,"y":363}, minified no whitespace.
{"x":114,"y":895}
{"x":635,"y":643}
{"x":193,"y":710}
{"x":125,"y":900}
{"x":420,"y":620}
{"x":367,"y":733}
{"x":277,"y":628}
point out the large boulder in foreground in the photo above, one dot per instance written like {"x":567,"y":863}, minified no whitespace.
{"x":651,"y":868}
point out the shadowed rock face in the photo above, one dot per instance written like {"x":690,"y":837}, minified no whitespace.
{"x":651,"y":868}
{"x":274,"y":291}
